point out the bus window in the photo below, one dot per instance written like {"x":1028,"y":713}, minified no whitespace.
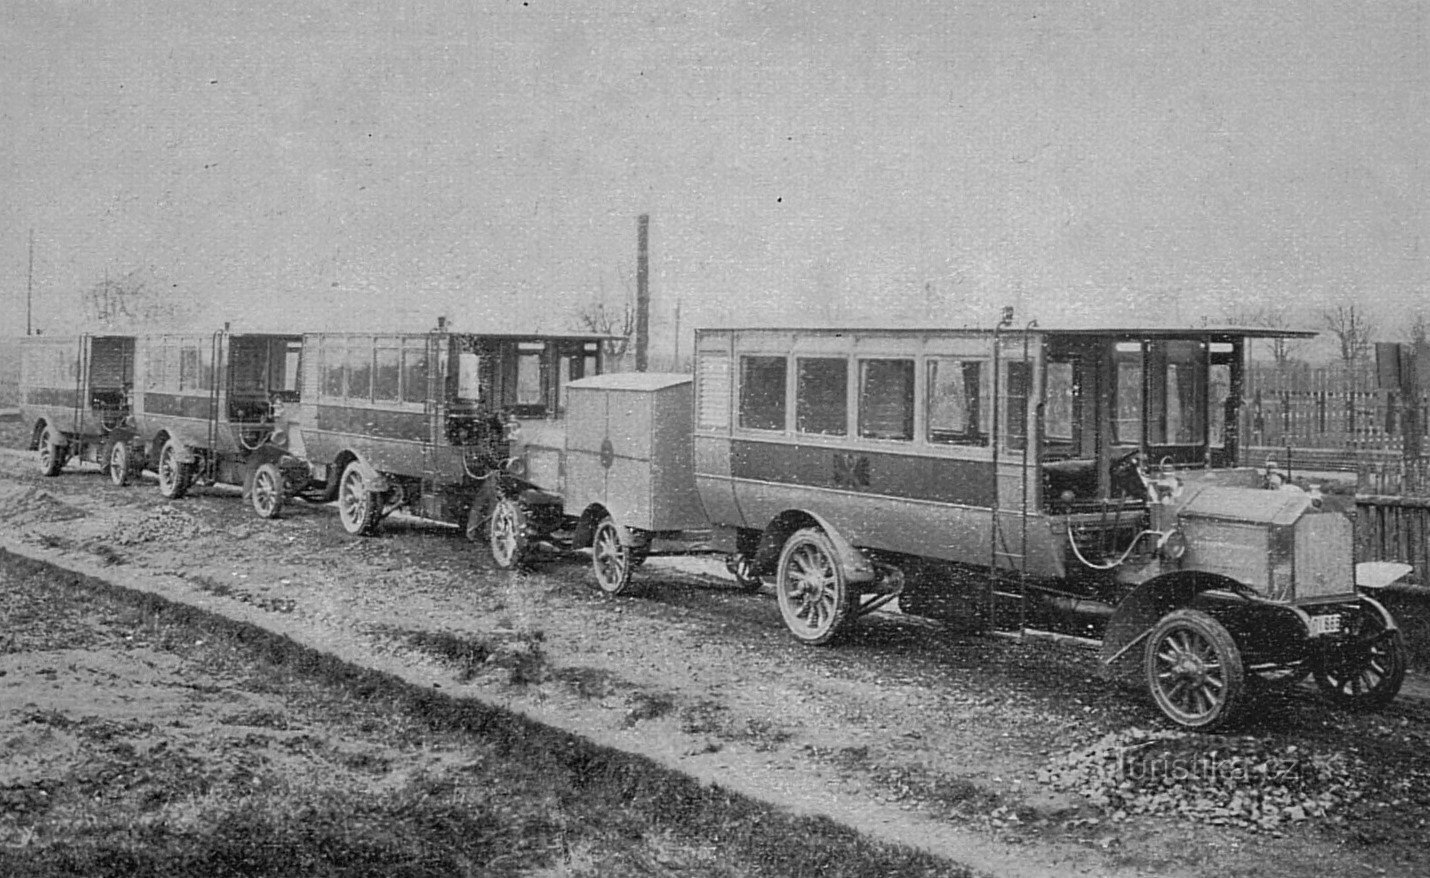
{"x":762,"y":393}
{"x":414,"y":370}
{"x":530,"y":388}
{"x":1177,"y":400}
{"x":1127,"y":425}
{"x":821,"y":396}
{"x":957,"y":403}
{"x":886,"y":399}
{"x":1020,"y":379}
{"x":334,"y":361}
{"x":359,"y":368}
{"x":385,"y":376}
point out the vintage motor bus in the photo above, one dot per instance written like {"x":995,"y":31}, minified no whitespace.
{"x":76,"y":393}
{"x":423,"y":421}
{"x":1014,"y":476}
{"x":217,"y":408}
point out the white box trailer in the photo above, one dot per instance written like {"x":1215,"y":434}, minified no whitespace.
{"x":628,"y":474}
{"x":628,"y":450}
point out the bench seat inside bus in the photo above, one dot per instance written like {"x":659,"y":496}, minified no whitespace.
{"x":1076,"y":477}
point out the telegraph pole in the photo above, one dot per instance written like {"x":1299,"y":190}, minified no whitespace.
{"x":30,"y":282}
{"x":642,"y":291}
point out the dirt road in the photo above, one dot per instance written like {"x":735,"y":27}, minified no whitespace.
{"x":1014,"y":757}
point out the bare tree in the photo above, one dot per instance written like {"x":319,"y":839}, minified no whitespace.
{"x":619,"y":323}
{"x":1419,"y":328}
{"x":1353,"y":330}
{"x":135,"y":299}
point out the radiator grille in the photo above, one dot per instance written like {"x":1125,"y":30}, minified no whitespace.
{"x":1324,"y":564}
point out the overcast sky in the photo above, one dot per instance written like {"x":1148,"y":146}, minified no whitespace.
{"x":292,"y":163}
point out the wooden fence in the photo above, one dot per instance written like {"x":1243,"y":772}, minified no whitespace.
{"x":1323,"y":408}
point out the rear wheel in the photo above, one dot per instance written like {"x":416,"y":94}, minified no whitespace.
{"x":1194,"y":670}
{"x":120,"y":465}
{"x":613,"y":560}
{"x":175,"y":475}
{"x":52,"y":453}
{"x":813,"y":593}
{"x":359,"y":509}
{"x":506,"y":534}
{"x":1368,"y":670}
{"x":267,"y":494}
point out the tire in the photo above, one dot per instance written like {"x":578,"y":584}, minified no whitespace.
{"x":121,"y":465}
{"x":1194,"y":670}
{"x":175,"y":476}
{"x":359,"y":509}
{"x":1368,"y":671}
{"x":507,"y":537}
{"x":813,"y":593}
{"x":612,"y":560}
{"x":52,"y":454}
{"x":267,"y":493}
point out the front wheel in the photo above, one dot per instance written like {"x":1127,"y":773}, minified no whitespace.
{"x":1368,"y":670}
{"x":612,"y":559}
{"x":121,"y":467}
{"x":813,"y":592}
{"x":358,"y":508}
{"x":267,"y":493}
{"x":175,"y":475}
{"x":52,"y":453}
{"x":1194,"y":670}
{"x":507,"y":534}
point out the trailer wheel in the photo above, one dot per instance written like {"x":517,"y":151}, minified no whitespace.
{"x":358,"y":508}
{"x":813,"y":593}
{"x":506,"y":534}
{"x":613,"y":561}
{"x":1368,"y":670}
{"x":52,"y":454}
{"x":120,"y":467}
{"x":267,"y":494}
{"x":1194,"y":670}
{"x":175,"y":476}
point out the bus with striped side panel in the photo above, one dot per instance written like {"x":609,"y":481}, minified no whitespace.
{"x":1082,"y":480}
{"x":76,"y":393}
{"x":422,"y":422}
{"x":219,"y":408}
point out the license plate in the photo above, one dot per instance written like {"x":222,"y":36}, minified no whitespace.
{"x":1328,"y":624}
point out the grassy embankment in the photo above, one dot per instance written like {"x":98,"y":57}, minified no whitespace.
{"x":525,"y":798}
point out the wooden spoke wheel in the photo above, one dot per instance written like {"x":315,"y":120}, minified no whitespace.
{"x":1368,"y":670}
{"x":52,"y":453}
{"x":1194,"y":670}
{"x":175,"y":475}
{"x":814,"y":596}
{"x":121,"y":467}
{"x":507,"y":534}
{"x":267,"y":494}
{"x":612,"y":560}
{"x":359,"y":508}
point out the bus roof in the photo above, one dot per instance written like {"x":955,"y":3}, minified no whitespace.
{"x":1124,"y":331}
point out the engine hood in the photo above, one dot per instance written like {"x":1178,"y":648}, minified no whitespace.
{"x":1244,"y":505}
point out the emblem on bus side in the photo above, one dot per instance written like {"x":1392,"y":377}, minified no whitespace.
{"x":851,"y":470}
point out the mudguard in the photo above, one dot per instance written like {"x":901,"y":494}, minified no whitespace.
{"x":1139,"y":612}
{"x":376,"y":481}
{"x":857,"y":568}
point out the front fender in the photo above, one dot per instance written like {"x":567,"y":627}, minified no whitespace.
{"x":856,"y":567}
{"x":1138,"y":613}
